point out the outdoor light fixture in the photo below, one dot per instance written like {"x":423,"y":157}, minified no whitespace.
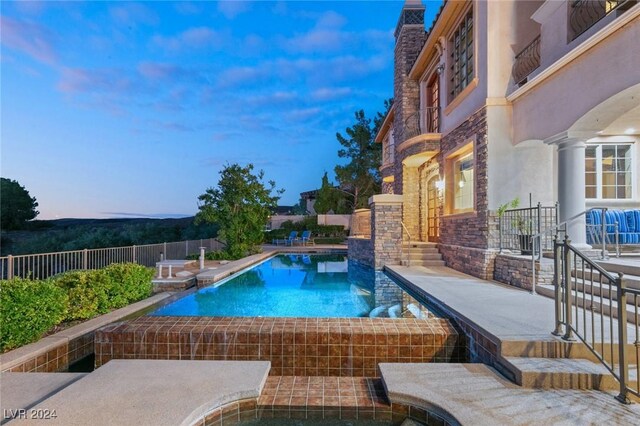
{"x":630,"y":131}
{"x":440,"y":184}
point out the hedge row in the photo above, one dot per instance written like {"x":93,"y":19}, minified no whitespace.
{"x":30,"y":308}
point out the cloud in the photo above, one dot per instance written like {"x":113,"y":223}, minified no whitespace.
{"x":232,"y":8}
{"x":303,"y":114}
{"x":31,"y":39}
{"x":31,"y":7}
{"x":82,"y":80}
{"x":193,"y":38}
{"x":331,"y":93}
{"x":133,"y":14}
{"x":326,"y":36}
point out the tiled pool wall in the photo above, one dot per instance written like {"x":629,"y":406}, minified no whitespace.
{"x":329,"y":398}
{"x":56,"y":357}
{"x":295,"y":346}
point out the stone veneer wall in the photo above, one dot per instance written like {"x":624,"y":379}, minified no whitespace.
{"x":516,"y":271}
{"x":411,"y":201}
{"x":467,"y":241}
{"x":361,"y":250}
{"x":406,"y":92}
{"x":386,"y":229}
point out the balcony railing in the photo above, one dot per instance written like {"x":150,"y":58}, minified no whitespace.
{"x":426,"y":120}
{"x":526,"y":62}
{"x":584,"y":14}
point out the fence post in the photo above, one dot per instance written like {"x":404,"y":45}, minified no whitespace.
{"x":186,"y":248}
{"x":85,"y":259}
{"x":622,"y":338}
{"x":500,"y":231}
{"x":164,"y":250}
{"x":566,"y":270}
{"x":133,"y":249}
{"x":9,"y":267}
{"x":603,"y":232}
{"x":557,"y":282}
{"x":617,"y":239}
{"x":539,"y":231}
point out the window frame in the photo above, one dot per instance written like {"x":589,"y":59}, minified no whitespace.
{"x":468,"y":148}
{"x":466,"y":21}
{"x":599,"y":186}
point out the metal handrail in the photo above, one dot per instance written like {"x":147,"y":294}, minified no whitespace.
{"x":425,"y":120}
{"x":571,"y":265}
{"x":584,"y":14}
{"x":408,"y":259}
{"x":45,"y":265}
{"x":527,"y":61}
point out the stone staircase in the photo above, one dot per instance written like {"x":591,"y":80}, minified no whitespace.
{"x":604,"y":297}
{"x":559,"y":365}
{"x":418,"y":253}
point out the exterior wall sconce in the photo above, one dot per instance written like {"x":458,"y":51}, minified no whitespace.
{"x":440,"y":69}
{"x":440,"y":185}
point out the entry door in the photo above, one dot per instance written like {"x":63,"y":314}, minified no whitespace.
{"x":433,"y":224}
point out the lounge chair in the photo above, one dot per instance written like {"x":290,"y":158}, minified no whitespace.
{"x":306,"y":239}
{"x":287,"y":241}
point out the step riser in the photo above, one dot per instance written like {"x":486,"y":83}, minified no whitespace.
{"x":597,"y":290}
{"x":562,"y":349}
{"x":425,"y":263}
{"x":435,"y":256}
{"x":625,"y":269}
{"x":630,"y":281}
{"x":597,"y":306}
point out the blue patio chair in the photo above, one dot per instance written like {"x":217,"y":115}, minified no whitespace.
{"x":288,"y":241}
{"x":306,"y":239}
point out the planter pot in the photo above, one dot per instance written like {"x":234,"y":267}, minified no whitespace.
{"x":526,"y":246}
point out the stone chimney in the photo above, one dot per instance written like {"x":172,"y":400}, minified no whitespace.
{"x":410,"y":36}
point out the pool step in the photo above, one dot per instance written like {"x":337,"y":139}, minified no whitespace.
{"x":562,"y":373}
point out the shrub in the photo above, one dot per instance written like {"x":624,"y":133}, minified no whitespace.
{"x":87,"y":292}
{"x":128,"y":283}
{"x":28,"y":308}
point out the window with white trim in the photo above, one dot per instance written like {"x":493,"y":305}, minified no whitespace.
{"x":608,"y":171}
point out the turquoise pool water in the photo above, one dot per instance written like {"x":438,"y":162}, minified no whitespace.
{"x":301,"y":285}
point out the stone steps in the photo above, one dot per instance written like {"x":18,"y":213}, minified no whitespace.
{"x":563,"y":373}
{"x":419,"y":253}
{"x":604,"y":306}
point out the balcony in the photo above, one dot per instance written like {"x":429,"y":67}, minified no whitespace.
{"x":420,"y":122}
{"x":527,"y":61}
{"x":584,"y":14}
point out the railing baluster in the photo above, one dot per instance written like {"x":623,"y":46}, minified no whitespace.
{"x":567,"y":290}
{"x":622,"y":338}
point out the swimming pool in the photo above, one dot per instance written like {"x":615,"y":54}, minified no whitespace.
{"x":302,"y":285}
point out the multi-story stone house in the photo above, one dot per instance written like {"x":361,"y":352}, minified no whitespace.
{"x":502,"y":99}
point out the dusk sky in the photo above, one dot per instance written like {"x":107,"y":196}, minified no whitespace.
{"x":118,"y":109}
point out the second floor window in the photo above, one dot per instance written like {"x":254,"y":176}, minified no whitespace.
{"x":608,"y":171}
{"x":462,"y":55}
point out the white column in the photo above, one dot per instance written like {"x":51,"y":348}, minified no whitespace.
{"x":571,"y":187}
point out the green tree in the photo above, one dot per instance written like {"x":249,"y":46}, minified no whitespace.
{"x":361,"y":176}
{"x":330,"y":198}
{"x":240,"y":205}
{"x":16,"y":205}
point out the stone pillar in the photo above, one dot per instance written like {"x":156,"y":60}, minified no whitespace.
{"x":571,"y":185}
{"x":386,"y":229}
{"x":411,"y":200}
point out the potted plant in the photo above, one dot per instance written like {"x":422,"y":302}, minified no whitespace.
{"x":523,"y":225}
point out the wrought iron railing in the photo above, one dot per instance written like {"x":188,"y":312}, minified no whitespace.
{"x":518,"y":226}
{"x":584,"y":14}
{"x":584,"y":292}
{"x":423,"y":121}
{"x":45,"y":265}
{"x":527,"y":61}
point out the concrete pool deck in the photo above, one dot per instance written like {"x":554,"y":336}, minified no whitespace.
{"x":159,"y":392}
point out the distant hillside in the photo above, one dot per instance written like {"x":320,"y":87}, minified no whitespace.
{"x":74,"y":234}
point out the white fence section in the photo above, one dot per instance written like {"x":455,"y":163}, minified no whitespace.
{"x":43,"y":265}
